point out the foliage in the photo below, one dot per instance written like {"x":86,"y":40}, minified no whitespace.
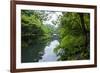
{"x":74,"y":30}
{"x":34,"y":35}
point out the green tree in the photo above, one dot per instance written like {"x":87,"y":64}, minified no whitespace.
{"x":74,"y":30}
{"x":34,"y":35}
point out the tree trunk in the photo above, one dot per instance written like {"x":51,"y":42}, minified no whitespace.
{"x":84,"y":30}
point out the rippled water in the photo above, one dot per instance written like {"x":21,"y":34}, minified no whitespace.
{"x":49,"y":54}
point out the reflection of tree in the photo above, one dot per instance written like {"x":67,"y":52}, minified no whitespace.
{"x":34,"y":35}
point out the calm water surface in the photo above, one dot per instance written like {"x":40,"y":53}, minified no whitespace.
{"x":49,"y":54}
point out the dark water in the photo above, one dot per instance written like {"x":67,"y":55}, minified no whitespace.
{"x":40,"y":52}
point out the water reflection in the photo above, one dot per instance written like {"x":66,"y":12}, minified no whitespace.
{"x":49,"y":54}
{"x":40,"y":51}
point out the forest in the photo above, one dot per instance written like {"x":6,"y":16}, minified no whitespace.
{"x":54,"y":36}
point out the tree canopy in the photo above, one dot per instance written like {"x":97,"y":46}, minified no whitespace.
{"x":74,"y":33}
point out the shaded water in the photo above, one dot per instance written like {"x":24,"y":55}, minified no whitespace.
{"x":49,"y":54}
{"x":40,"y":52}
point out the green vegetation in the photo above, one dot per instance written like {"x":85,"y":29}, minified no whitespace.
{"x":73,"y":34}
{"x":34,"y":35}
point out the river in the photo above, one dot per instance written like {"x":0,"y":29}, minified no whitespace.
{"x":49,"y":54}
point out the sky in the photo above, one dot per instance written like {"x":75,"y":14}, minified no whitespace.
{"x":53,"y":17}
